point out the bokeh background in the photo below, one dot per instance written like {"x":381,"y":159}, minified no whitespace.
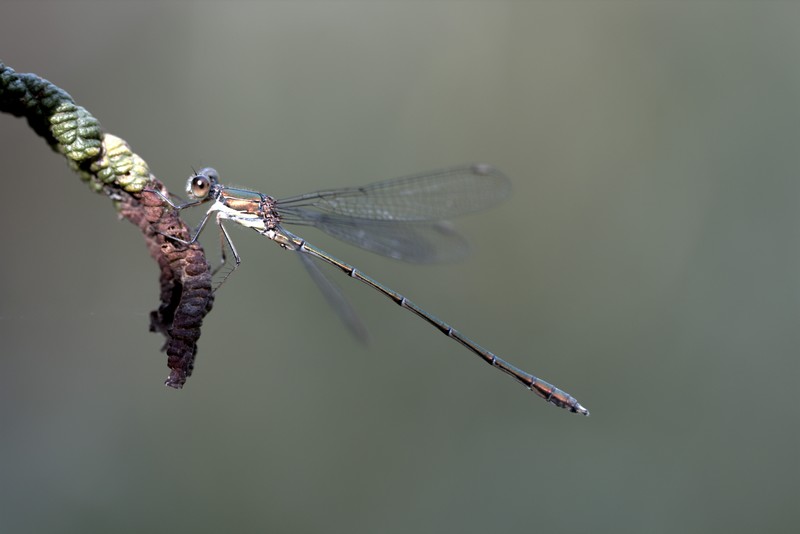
{"x":648,"y":263}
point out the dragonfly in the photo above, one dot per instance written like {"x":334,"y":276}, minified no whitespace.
{"x":403,"y":218}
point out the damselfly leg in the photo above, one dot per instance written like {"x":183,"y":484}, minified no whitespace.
{"x":224,"y":237}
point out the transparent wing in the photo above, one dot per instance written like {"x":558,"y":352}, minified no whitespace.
{"x":335,"y":298}
{"x":402,"y":218}
{"x":430,"y":196}
{"x":414,"y":242}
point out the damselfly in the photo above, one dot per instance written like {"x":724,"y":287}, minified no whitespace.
{"x":401,"y":218}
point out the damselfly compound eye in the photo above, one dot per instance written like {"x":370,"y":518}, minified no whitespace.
{"x":199,"y":186}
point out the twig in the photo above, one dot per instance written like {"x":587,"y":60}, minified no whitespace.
{"x":109,"y":166}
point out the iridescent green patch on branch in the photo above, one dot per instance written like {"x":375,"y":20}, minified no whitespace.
{"x":78,"y":133}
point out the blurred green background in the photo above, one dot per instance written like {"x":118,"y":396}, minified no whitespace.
{"x":648,"y":263}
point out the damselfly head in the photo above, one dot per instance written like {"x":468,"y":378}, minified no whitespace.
{"x":199,"y":185}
